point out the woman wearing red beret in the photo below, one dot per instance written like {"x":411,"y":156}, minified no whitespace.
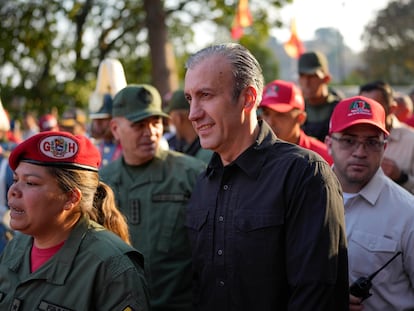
{"x":65,"y":258}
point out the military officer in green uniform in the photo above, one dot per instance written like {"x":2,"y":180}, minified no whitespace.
{"x":152,"y":186}
{"x":63,"y":257}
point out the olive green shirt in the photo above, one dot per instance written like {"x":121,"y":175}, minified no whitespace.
{"x":94,"y":270}
{"x":154,"y":197}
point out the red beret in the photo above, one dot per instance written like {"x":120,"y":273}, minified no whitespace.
{"x":60,"y":149}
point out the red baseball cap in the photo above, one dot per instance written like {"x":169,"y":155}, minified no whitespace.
{"x":59,"y":149}
{"x":282,"y":96}
{"x":47,"y":122}
{"x":357,"y":110}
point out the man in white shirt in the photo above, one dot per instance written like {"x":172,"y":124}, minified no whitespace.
{"x":379,"y":214}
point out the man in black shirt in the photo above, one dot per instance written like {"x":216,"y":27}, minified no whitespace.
{"x":266,"y":219}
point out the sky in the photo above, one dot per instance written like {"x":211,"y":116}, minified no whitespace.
{"x":348,"y":16}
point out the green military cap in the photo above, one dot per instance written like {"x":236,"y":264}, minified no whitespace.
{"x":313,"y":63}
{"x":137,"y":102}
{"x":177,"y":102}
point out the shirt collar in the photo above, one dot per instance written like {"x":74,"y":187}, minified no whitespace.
{"x":373,"y":188}
{"x":249,"y":161}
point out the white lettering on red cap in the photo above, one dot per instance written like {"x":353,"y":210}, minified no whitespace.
{"x":58,"y":147}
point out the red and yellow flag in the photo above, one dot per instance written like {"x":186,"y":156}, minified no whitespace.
{"x":294,"y":46}
{"x":242,"y":19}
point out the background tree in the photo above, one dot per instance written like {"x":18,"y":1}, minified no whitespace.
{"x":389,"y":48}
{"x":50,"y":50}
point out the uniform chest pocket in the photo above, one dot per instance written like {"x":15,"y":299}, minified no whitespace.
{"x":369,"y":252}
{"x":168,"y":212}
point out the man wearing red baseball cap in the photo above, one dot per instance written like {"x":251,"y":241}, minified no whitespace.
{"x":379,"y":214}
{"x":283,"y":108}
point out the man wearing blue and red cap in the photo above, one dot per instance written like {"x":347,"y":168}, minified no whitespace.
{"x":379,"y":214}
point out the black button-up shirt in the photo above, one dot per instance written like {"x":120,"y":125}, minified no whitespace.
{"x":267,"y":232}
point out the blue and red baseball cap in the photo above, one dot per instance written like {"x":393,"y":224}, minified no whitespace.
{"x":58,"y":149}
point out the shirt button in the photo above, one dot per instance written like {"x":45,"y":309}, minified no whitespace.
{"x":220,"y":252}
{"x":225,"y":187}
{"x":221,"y":218}
{"x":221,"y":283}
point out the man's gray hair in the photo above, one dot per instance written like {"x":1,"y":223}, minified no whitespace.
{"x":246,"y":68}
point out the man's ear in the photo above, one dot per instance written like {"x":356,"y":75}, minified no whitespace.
{"x":301,"y":117}
{"x":113,"y":124}
{"x":249,"y":98}
{"x":327,"y":78}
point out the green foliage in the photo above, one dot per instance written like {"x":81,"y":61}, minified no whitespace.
{"x":50,"y":50}
{"x":389,"y":50}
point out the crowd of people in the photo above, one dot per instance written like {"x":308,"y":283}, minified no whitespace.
{"x":234,"y":195}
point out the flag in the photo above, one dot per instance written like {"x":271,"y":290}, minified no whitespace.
{"x":294,"y":46}
{"x":242,"y":19}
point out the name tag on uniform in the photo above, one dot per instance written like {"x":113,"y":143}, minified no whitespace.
{"x":47,"y":306}
{"x":170,"y":197}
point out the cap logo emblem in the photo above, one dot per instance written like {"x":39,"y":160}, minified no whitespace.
{"x":272,"y":91}
{"x":359,"y":107}
{"x":58,"y":147}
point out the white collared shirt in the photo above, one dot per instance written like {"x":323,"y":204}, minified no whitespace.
{"x":379,"y":223}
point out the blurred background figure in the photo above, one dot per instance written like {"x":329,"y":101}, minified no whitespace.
{"x":110,"y":80}
{"x":169,"y":129}
{"x":283,"y":108}
{"x":187,"y":140}
{"x":6,"y":176}
{"x":48,"y":122}
{"x":29,"y":125}
{"x":73,"y":120}
{"x":410,"y":119}
{"x":320,"y":99}
{"x":100,"y":130}
{"x":403,"y":109}
{"x":398,"y":160}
